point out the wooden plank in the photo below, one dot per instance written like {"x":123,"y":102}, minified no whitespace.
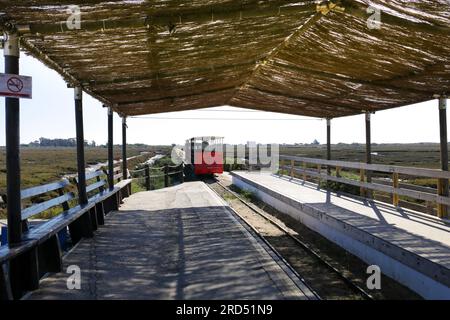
{"x":5,"y":284}
{"x":117,"y":176}
{"x":395,"y":184}
{"x":305,"y":167}
{"x":319,"y":170}
{"x":96,"y":185}
{"x":94,"y":174}
{"x":362,"y":175}
{"x":378,"y":187}
{"x":441,"y":208}
{"x":420,"y":172}
{"x":338,"y":172}
{"x":406,"y":186}
{"x":34,"y":191}
{"x":292,"y":168}
{"x":40,"y":207}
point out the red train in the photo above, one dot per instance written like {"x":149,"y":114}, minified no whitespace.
{"x":205,"y":155}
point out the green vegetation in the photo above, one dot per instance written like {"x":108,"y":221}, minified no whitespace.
{"x":157,"y":175}
{"x":424,"y":155}
{"x":41,"y":165}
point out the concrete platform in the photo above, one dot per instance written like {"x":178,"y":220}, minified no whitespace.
{"x":410,"y":247}
{"x":181,"y":242}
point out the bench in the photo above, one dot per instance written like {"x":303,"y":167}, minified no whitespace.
{"x":103,"y":198}
{"x":24,"y":264}
{"x":106,"y":198}
{"x":123,"y":184}
{"x":39,"y":252}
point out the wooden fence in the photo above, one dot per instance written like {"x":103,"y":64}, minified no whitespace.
{"x":322,"y":171}
{"x":144,"y":175}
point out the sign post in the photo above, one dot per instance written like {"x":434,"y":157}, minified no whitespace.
{"x":15,"y":86}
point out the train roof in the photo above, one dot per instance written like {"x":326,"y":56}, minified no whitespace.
{"x":207,"y":138}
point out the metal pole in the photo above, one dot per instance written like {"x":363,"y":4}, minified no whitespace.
{"x":192,"y":152}
{"x":368,"y":146}
{"x":328,"y":149}
{"x":329,"y":143}
{"x":110,"y":150}
{"x":124,"y":148}
{"x":12,"y":124}
{"x":82,"y":196}
{"x":442,"y":209}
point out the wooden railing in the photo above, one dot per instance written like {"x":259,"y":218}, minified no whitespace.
{"x":23,"y":264}
{"x":322,"y":171}
{"x":148,"y":179}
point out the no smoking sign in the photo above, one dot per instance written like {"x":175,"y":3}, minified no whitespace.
{"x":15,"y":86}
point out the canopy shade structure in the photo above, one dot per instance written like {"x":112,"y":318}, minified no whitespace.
{"x":307,"y":58}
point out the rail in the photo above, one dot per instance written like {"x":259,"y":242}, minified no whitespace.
{"x":144,"y":175}
{"x":322,"y":170}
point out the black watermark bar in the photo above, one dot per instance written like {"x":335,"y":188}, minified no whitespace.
{"x":251,"y":309}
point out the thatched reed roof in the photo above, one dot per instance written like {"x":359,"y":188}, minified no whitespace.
{"x":294,"y":57}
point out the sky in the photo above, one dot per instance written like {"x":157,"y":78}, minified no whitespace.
{"x":50,"y":114}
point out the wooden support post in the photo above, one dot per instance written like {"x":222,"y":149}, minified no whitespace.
{"x":166,"y":176}
{"x":395,"y":185}
{"x":12,"y":125}
{"x":181,"y":169}
{"x":443,"y":183}
{"x":5,"y":283}
{"x":292,"y":169}
{"x":84,"y":222}
{"x":328,"y":149}
{"x":124,"y":149}
{"x":305,"y":167}
{"x":147,"y":177}
{"x":81,"y":164}
{"x":24,"y":272}
{"x":281,"y":167}
{"x":338,"y":172}
{"x":368,"y":152}
{"x":328,"y":144}
{"x":192,"y":152}
{"x":110,"y":150}
{"x":319,"y":170}
{"x":362,"y":178}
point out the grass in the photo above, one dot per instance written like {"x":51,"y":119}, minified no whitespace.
{"x":44,"y":165}
{"x":424,"y":155}
{"x":157,"y":182}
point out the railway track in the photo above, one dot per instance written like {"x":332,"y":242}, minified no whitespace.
{"x":324,"y":279}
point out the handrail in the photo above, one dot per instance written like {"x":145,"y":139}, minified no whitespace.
{"x":167,"y":172}
{"x":136,"y":171}
{"x":419,"y":172}
{"x":396,"y":188}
